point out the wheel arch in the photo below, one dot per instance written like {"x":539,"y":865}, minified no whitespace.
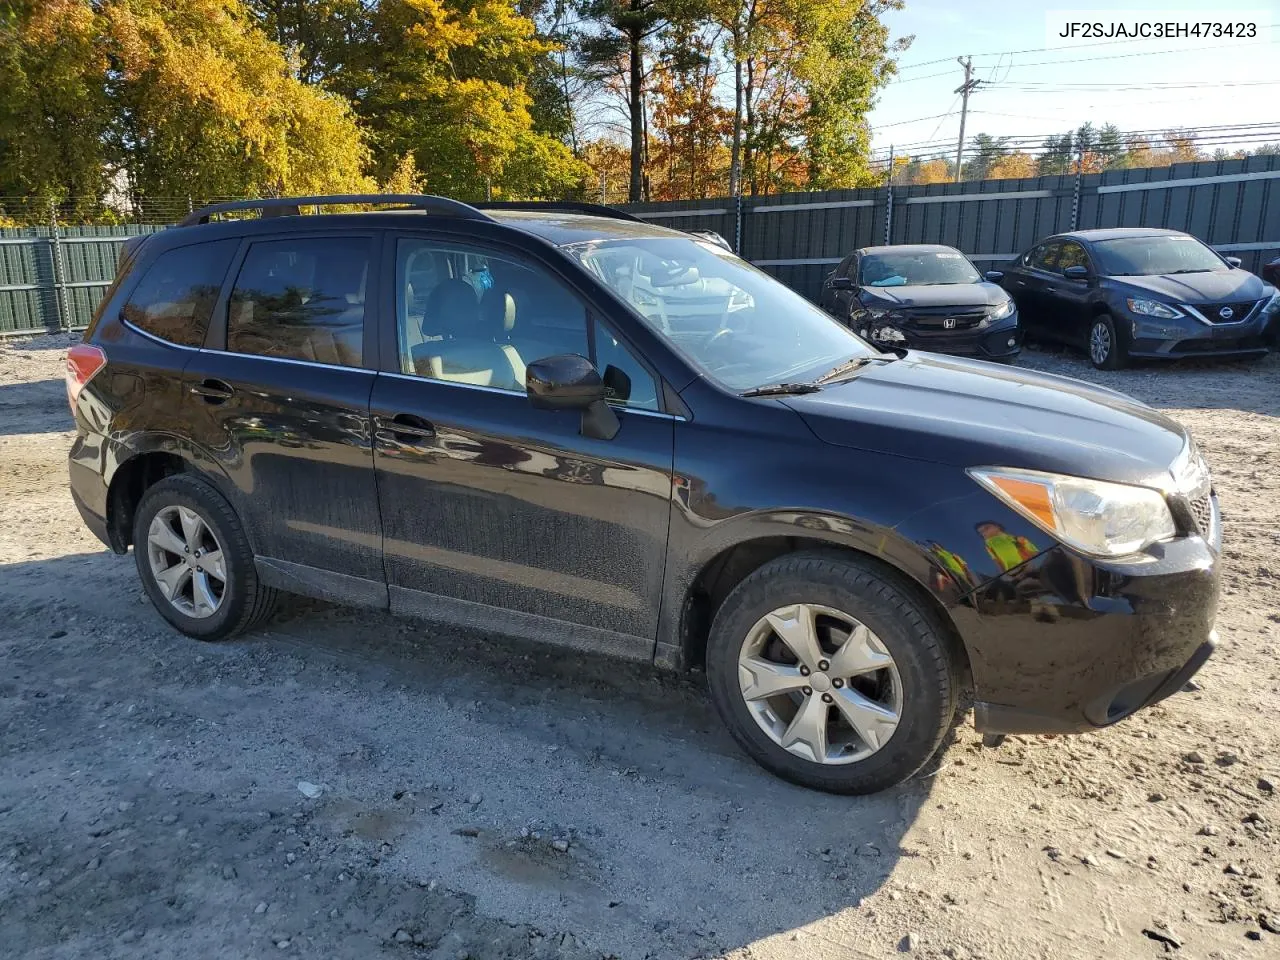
{"x":714,"y":578}
{"x":140,"y":465}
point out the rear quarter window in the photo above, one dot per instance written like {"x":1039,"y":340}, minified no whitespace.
{"x":175,"y":298}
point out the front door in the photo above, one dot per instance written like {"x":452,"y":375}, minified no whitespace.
{"x":1071,"y":301}
{"x":280,"y":398}
{"x":488,"y":503}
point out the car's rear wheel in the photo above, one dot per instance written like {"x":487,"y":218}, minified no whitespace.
{"x":1106,"y":351}
{"x":195,"y":561}
{"x":828,"y":673}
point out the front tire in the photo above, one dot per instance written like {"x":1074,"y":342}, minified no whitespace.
{"x":195,"y":561}
{"x":1106,"y":350}
{"x":829,"y":674}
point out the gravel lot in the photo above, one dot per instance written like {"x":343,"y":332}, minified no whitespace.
{"x":482,"y":799}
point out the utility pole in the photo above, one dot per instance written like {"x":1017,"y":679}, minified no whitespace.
{"x":964,"y":90}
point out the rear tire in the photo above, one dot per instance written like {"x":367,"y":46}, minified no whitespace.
{"x":1107,"y":351}
{"x":186,"y":541}
{"x":903,"y":667}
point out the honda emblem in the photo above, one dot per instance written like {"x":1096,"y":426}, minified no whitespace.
{"x":949,"y":323}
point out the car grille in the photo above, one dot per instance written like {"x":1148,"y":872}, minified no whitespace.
{"x":1239,"y":311}
{"x":1202,"y":513}
{"x":930,"y":319}
{"x":1218,"y":346}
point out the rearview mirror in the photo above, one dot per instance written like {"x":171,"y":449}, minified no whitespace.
{"x":568,"y":381}
{"x":674,"y":275}
{"x":1076,"y":272}
{"x":1234,"y":261}
{"x":840,"y":283}
{"x":994,"y":276}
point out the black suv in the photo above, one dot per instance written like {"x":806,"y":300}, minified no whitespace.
{"x":489,"y":418}
{"x":1133,"y":292}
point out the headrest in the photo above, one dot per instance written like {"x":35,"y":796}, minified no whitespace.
{"x":452,"y":311}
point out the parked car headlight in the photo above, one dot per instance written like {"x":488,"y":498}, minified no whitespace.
{"x":1154,"y":308}
{"x":880,"y":313}
{"x":1272,"y":305}
{"x":1093,"y":516}
{"x":1000,"y":310}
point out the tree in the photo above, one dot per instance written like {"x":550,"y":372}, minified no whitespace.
{"x":986,"y":151}
{"x":1056,"y":155}
{"x":689,"y":126}
{"x":1012,"y":166}
{"x":177,"y":98}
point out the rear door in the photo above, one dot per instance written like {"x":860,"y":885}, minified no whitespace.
{"x":1032,"y":288}
{"x":491,"y":508}
{"x":280,"y":398}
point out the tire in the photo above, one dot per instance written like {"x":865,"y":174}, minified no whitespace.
{"x":1107,"y":351}
{"x":242,"y":602}
{"x":900,"y":628}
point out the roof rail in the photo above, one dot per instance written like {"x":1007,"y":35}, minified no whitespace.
{"x":291,"y":206}
{"x":567,"y":206}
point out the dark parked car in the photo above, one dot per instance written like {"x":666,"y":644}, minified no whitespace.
{"x":478,"y":417}
{"x":1135,"y":292}
{"x":1271,"y":274}
{"x":923,"y":297}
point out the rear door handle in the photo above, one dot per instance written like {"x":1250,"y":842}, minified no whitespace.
{"x":404,"y":428}
{"x":211,"y":390}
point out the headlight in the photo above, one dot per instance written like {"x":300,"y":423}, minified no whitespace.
{"x":1154,"y":308}
{"x":1272,"y":305}
{"x":1093,"y":516}
{"x":879,"y":313}
{"x":1000,"y":310}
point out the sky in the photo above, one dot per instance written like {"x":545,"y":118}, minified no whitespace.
{"x":1215,"y":81}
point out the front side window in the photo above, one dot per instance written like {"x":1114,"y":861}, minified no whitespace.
{"x":301,"y":299}
{"x":1044,"y":256}
{"x":1156,"y":256}
{"x":930,"y":268}
{"x":729,"y":319}
{"x":469,"y":317}
{"x":1071,"y":255}
{"x":176,"y":296}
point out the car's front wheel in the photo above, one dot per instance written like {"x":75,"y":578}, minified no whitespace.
{"x":195,"y":561}
{"x":828,"y":673}
{"x":1106,"y":352}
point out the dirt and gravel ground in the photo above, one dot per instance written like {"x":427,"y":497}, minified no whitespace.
{"x":485,"y":800}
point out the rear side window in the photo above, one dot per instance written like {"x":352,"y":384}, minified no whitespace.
{"x":301,"y":299}
{"x":175,"y":297}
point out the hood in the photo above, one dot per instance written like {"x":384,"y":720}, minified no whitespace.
{"x":1218,"y":287}
{"x":968,"y":413}
{"x":933,"y":295}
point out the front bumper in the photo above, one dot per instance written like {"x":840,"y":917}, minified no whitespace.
{"x":1064,"y":644}
{"x":1155,"y":339}
{"x":1002,"y":340}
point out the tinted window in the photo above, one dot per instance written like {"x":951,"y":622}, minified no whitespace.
{"x":899,"y":269}
{"x":1044,"y":255}
{"x":175,"y":298}
{"x":301,"y":299}
{"x":474,"y":318}
{"x":1155,"y":256}
{"x":1071,"y":255}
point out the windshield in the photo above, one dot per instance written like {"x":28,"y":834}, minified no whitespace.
{"x":912,"y":269}
{"x":730,"y":319}
{"x":1155,"y":256}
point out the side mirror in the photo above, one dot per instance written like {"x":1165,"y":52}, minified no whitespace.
{"x":1076,"y":272}
{"x":1234,"y":261}
{"x":568,"y":381}
{"x":840,"y":283}
{"x":994,"y":276}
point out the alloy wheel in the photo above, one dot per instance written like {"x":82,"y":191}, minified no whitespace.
{"x":820,"y":684}
{"x":1099,"y":343}
{"x":186,"y":561}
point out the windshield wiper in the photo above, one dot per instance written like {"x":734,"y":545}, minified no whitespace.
{"x":1189,"y":270}
{"x":780,"y":389}
{"x":856,"y":363}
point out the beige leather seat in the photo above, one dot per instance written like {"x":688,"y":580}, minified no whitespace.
{"x":470,"y":349}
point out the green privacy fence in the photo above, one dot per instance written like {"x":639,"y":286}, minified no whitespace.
{"x":52,"y":278}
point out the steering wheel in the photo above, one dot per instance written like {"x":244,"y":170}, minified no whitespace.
{"x":717,"y":340}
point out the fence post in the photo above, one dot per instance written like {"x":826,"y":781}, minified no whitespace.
{"x":737,"y":224}
{"x":888,"y":204}
{"x":1075,"y":194}
{"x":59,"y":272}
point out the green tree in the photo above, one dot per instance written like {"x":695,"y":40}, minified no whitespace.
{"x":986,"y":151}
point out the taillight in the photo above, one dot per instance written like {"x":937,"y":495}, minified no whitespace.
{"x":83,"y":362}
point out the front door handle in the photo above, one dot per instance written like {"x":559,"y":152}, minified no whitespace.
{"x":212,"y":390}
{"x":404,"y":428}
